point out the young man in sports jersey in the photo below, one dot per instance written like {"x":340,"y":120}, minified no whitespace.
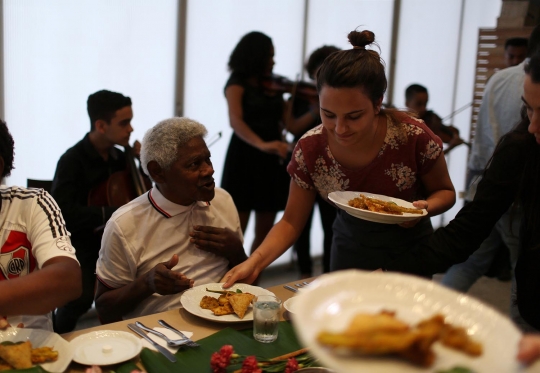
{"x":38,"y":267}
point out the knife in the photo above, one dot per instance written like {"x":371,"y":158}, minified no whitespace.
{"x":160,"y":348}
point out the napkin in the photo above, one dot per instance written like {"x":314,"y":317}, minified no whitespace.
{"x":161,"y":341}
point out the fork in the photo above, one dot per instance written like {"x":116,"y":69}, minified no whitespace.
{"x":170,"y":342}
{"x":189,"y":342}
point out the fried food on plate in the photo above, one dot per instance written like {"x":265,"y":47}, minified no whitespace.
{"x":383,"y":334}
{"x":228,"y":303}
{"x":209,"y":303}
{"x":42,"y":355}
{"x":240,"y":303}
{"x":377,"y":205}
{"x":225,"y":309}
{"x":18,"y":355}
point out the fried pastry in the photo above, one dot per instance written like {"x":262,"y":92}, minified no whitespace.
{"x":42,"y":355}
{"x":17,"y":355}
{"x":240,"y":303}
{"x":209,"y":303}
{"x":225,"y":309}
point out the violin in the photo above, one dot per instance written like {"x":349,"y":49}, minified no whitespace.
{"x":121,"y":186}
{"x":277,"y":84}
{"x":448,"y":134}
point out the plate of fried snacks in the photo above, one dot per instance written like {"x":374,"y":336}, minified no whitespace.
{"x":212,"y":302}
{"x":359,"y":321}
{"x":22,"y":348}
{"x":376,"y":207}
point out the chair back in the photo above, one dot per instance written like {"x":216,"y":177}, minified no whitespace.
{"x":45,"y":184}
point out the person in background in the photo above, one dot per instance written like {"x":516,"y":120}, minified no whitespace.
{"x":515,"y":51}
{"x":499,"y":114}
{"x":359,"y":147}
{"x":511,"y":177}
{"x":80,"y":170}
{"x":183,"y":232}
{"x":255,"y":171}
{"x":416,"y":99}
{"x":306,"y":111}
{"x":38,"y":267}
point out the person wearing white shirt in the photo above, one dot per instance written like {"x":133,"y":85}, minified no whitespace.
{"x":38,"y":267}
{"x":181,"y":233}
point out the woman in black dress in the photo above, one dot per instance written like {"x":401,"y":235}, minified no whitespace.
{"x":255,"y":171}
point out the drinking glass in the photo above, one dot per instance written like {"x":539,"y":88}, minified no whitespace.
{"x":266,"y":318}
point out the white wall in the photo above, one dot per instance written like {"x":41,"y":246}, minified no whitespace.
{"x":57,"y":52}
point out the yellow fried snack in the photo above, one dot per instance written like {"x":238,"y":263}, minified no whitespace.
{"x":225,"y":309}
{"x":4,"y":365}
{"x":208,"y":303}
{"x":42,"y":355}
{"x":458,"y":339}
{"x":383,"y":334}
{"x":17,"y":355}
{"x":223,"y":299}
{"x":240,"y":303}
{"x":377,"y":205}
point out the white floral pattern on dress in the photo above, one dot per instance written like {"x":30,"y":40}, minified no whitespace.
{"x":404,"y":176}
{"x":328,"y":178}
{"x":433,"y":150}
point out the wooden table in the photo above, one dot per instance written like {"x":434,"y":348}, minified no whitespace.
{"x":182,"y":320}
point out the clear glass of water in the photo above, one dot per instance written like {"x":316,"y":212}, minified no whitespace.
{"x":266,"y":318}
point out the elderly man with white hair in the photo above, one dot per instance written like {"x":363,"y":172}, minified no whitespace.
{"x":181,"y":233}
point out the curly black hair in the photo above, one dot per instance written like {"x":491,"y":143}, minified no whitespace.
{"x":7,"y":149}
{"x":251,"y":55}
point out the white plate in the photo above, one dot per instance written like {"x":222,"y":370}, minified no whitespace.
{"x":191,"y":300}
{"x":290,"y":304}
{"x":105,"y":347}
{"x":341,"y":199}
{"x":333,"y":299}
{"x":42,"y":338}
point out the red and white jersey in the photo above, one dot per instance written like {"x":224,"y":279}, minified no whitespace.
{"x":32,"y":231}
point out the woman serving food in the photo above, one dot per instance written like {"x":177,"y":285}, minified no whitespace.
{"x":360,"y":146}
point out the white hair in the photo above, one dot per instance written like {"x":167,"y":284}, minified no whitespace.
{"x":161,"y":142}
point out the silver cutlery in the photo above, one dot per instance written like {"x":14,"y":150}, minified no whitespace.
{"x":189,"y":342}
{"x":290,"y":288}
{"x":170,"y":342}
{"x":158,"y":347}
{"x":300,"y":285}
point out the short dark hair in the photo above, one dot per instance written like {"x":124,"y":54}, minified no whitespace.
{"x":534,"y":41}
{"x":516,"y":42}
{"x":7,"y":149}
{"x":103,"y":104}
{"x":317,"y":57}
{"x":414,"y":89}
{"x":251,"y":55}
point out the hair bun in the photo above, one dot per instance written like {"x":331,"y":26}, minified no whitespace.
{"x":359,"y":39}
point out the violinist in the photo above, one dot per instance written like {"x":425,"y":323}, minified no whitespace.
{"x":255,"y":169}
{"x":416,"y":99}
{"x":80,"y":169}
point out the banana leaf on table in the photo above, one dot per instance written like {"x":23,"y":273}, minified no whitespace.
{"x":197,"y":359}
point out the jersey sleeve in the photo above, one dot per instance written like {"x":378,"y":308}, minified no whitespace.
{"x":47,"y":230}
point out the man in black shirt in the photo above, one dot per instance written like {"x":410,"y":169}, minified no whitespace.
{"x":82,"y":169}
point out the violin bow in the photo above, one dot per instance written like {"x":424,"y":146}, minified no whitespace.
{"x":214,"y":139}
